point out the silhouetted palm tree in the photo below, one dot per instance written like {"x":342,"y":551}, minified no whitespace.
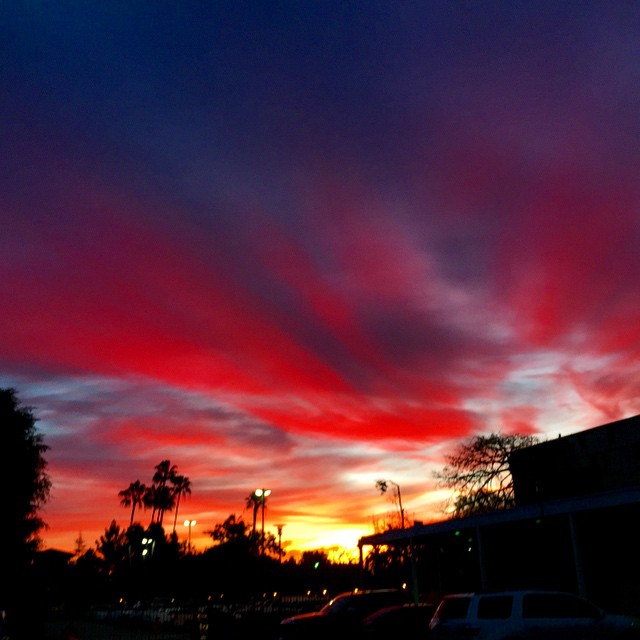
{"x":253,"y":502}
{"x":181,"y":487}
{"x":163,"y":496}
{"x":150,"y":501}
{"x":133,"y":496}
{"x":165,"y":500}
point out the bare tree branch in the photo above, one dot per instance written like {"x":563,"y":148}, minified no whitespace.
{"x":478,"y":472}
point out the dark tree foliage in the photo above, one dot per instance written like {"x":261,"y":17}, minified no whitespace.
{"x":314,"y":559}
{"x":133,"y":496}
{"x":181,"y":487}
{"x":22,"y":457}
{"x":478,"y":472}
{"x":234,"y":533}
{"x":164,"y":498}
{"x":253,"y":503}
{"x":163,"y":495}
{"x":387,"y":565}
{"x":113,"y":546}
{"x":21,"y":450}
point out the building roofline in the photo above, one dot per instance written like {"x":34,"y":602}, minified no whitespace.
{"x":617,"y":498}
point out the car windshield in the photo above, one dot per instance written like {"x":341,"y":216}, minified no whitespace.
{"x":453,"y":608}
{"x":337,"y":605}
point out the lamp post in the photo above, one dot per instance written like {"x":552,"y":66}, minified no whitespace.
{"x":262,"y":495}
{"x":383,"y":485}
{"x":189,"y":523}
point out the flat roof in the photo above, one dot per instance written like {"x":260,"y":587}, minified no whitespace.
{"x":607,"y":499}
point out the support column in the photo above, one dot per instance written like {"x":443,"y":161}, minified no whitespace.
{"x":577,"y":557}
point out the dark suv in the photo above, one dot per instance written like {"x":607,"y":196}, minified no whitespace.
{"x":342,"y":616}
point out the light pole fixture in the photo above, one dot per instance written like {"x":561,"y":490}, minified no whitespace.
{"x":148,"y":545}
{"x":189,"y":523}
{"x":262,"y":495}
{"x":382,"y":485}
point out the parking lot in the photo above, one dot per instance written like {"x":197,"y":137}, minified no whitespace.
{"x":95,"y":630}
{"x":91,"y":630}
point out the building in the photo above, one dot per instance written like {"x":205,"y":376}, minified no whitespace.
{"x":574,"y":526}
{"x":605,"y":458}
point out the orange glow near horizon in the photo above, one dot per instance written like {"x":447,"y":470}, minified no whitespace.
{"x":299,"y":534}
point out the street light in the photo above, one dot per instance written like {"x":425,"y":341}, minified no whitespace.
{"x":189,"y":523}
{"x":261,"y":495}
{"x":148,"y":545}
{"x":382,"y":485}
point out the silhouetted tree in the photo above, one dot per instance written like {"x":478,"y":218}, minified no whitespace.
{"x":133,"y":496}
{"x":91,"y":582}
{"x":233,"y":531}
{"x":134,"y":536}
{"x":181,"y":487}
{"x":314,"y":559}
{"x":80,"y":547}
{"x":28,"y":485}
{"x":479,"y":474}
{"x":113,"y":546}
{"x":150,"y":500}
{"x":164,"y":501}
{"x":163,"y":496}
{"x":253,"y":503}
{"x":386,"y":564}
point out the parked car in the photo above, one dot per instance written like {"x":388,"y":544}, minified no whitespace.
{"x":410,"y":620}
{"x":342,"y":616}
{"x":527,"y":614}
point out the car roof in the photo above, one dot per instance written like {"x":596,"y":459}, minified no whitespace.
{"x":407,"y":606}
{"x":363,"y":592}
{"x":509,"y":592}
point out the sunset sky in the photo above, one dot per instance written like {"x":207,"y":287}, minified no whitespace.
{"x":305,"y":245}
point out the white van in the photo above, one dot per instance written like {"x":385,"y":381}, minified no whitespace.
{"x":527,"y":614}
